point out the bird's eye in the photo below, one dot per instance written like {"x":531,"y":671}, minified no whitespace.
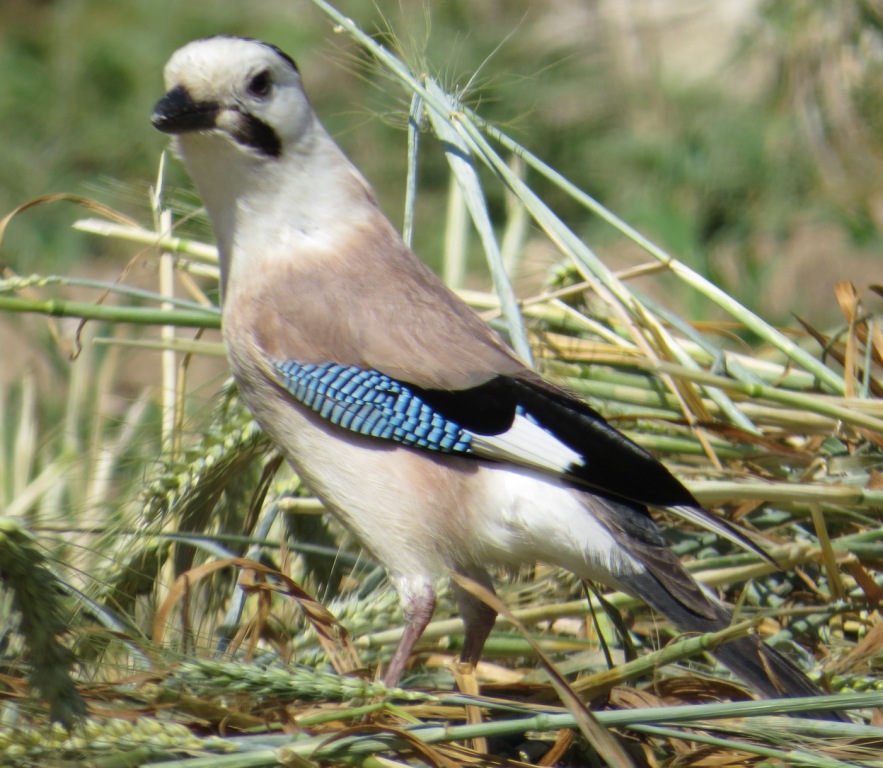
{"x":259,"y":85}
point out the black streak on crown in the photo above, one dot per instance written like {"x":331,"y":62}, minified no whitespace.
{"x":272,"y":47}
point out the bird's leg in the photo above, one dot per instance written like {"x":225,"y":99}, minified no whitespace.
{"x":478,"y":618}
{"x":418,"y":608}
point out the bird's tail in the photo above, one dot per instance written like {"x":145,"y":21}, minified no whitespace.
{"x":766,"y":670}
{"x":762,"y":667}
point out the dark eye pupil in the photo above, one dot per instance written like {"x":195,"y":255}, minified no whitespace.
{"x":260,"y":84}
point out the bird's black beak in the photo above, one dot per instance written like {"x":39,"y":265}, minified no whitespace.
{"x":177,"y":112}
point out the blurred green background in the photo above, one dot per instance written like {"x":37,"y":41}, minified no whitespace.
{"x":744,"y":137}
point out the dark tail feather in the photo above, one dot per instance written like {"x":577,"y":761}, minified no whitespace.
{"x":770,"y":673}
{"x":762,"y":667}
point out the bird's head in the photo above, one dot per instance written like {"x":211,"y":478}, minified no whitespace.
{"x":244,"y":92}
{"x":266,"y":169}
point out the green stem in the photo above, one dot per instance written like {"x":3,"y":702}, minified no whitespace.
{"x":289,"y":749}
{"x":134,"y":315}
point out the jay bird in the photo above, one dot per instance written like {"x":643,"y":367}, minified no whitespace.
{"x":405,"y":414}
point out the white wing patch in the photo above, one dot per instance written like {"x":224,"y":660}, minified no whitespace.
{"x":529,"y":445}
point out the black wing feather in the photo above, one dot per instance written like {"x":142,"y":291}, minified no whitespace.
{"x":613,"y":464}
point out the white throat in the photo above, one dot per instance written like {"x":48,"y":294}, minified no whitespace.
{"x":260,"y":205}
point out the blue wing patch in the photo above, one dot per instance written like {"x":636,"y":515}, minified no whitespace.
{"x":373,"y":404}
